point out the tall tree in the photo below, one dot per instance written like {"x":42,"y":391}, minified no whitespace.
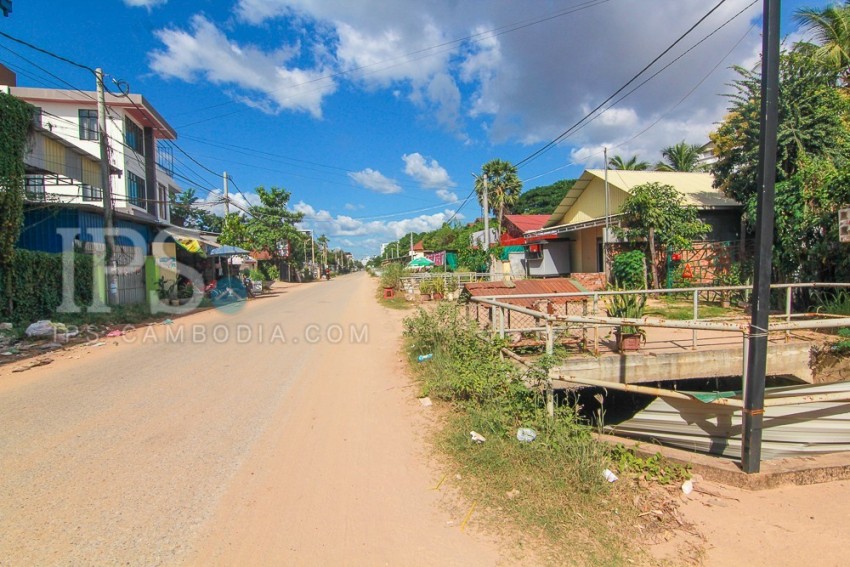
{"x":617,"y":162}
{"x":680,"y":157}
{"x":503,"y":186}
{"x":271,"y":223}
{"x":831,"y":29}
{"x":659,"y":215}
{"x":812,"y":122}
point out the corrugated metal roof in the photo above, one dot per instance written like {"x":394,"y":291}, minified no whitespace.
{"x":522,"y":287}
{"x":527,"y":222}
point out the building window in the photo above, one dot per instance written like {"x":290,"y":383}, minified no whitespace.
{"x":135,"y":189}
{"x":34,"y":188}
{"x":165,"y":158}
{"x":133,"y":136}
{"x":91,"y":193}
{"x":162,"y":201}
{"x":88,"y":124}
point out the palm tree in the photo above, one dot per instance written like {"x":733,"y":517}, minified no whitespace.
{"x":503,"y":186}
{"x":633,"y":164}
{"x":681,"y":157}
{"x":831,"y":29}
{"x":323,"y":241}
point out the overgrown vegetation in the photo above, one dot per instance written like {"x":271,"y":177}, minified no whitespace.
{"x":629,"y":270}
{"x":552,"y":486}
{"x":543,"y":200}
{"x":36,"y":285}
{"x":15,"y":125}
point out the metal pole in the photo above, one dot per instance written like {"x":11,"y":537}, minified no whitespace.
{"x":696,"y":317}
{"x":106,"y":181}
{"x":788,"y":312}
{"x":753,"y":412}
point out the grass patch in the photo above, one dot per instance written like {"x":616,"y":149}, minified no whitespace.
{"x":396,"y":302}
{"x":682,"y":309}
{"x":552,"y":488}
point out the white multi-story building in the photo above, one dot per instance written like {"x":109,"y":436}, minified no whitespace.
{"x":141,"y":164}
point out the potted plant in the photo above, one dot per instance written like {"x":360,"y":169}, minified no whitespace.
{"x":451,"y":289}
{"x":729,"y":277}
{"x":425,"y":290}
{"x":438,"y":288}
{"x":627,"y":306}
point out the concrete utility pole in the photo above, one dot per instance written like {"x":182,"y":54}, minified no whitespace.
{"x":226,"y":195}
{"x":607,"y":220}
{"x":486,"y":216}
{"x":753,"y":412}
{"x":106,"y":181}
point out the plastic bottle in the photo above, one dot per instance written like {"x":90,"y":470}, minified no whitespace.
{"x":424,"y":357}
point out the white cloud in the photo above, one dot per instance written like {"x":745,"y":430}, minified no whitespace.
{"x":447,"y":196}
{"x":353,"y":207}
{"x":474,"y":72}
{"x":375,"y":181}
{"x":344,"y":226}
{"x":213,"y":201}
{"x":270,"y":85}
{"x":144,"y":3}
{"x":428,"y":173}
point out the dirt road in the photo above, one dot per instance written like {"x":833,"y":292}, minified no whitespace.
{"x":283,"y":434}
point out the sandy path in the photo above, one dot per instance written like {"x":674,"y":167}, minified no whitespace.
{"x":222,"y":450}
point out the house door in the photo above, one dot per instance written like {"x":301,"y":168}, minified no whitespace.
{"x":600,"y":256}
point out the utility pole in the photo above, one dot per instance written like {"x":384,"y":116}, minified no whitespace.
{"x":108,"y":214}
{"x":486,"y":217}
{"x":753,"y":411}
{"x":607,"y":220}
{"x":226,"y":196}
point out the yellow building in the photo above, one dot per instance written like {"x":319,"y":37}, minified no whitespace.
{"x":580,"y":218}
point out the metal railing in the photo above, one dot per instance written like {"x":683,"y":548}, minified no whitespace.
{"x":499,"y":311}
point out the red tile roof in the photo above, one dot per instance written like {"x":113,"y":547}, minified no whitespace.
{"x":527,"y":222}
{"x":418,"y":247}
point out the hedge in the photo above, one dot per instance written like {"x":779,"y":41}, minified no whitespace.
{"x":37,"y":285}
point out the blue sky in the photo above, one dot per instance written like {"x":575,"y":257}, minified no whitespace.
{"x":375,"y":114}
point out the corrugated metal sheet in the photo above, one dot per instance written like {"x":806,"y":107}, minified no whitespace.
{"x":523,"y":287}
{"x":527,"y":222}
{"x":788,"y":431}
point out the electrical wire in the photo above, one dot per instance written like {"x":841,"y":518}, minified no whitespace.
{"x":569,"y":130}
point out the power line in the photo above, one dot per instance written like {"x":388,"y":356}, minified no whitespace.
{"x":425,"y":52}
{"x":47,"y":52}
{"x":569,"y":130}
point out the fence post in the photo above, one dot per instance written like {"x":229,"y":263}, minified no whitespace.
{"x":550,"y":337}
{"x":696,"y":316}
{"x":787,"y":312}
{"x":501,"y":322}
{"x":595,"y":327}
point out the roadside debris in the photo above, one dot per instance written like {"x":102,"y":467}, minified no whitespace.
{"x":687,"y":487}
{"x":526,"y":435}
{"x":426,"y":402}
{"x":609,"y":476}
{"x":45,"y":328}
{"x":477,"y":437}
{"x":167,"y":322}
{"x":115,"y":333}
{"x":424,"y":357}
{"x":33,"y":364}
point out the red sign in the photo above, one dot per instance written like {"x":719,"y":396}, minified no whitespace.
{"x":688,"y":272}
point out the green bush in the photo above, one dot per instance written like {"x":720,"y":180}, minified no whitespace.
{"x":628,"y":270}
{"x":391,"y":275}
{"x":37,"y":285}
